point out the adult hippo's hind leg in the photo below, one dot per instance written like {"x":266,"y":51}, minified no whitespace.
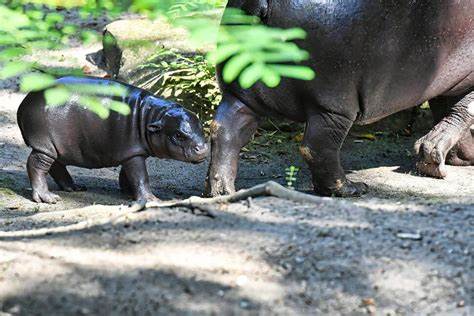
{"x":38,"y":166}
{"x":449,"y":140}
{"x":462,"y":154}
{"x":322,"y":142}
{"x":233,"y":127}
{"x":63,"y":179}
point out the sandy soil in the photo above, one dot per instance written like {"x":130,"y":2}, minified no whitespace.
{"x":267,"y":256}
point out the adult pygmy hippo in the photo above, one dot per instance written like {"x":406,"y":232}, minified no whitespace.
{"x":372,"y":59}
{"x":72,"y":135}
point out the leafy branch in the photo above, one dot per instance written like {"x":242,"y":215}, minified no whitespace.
{"x":248,"y":50}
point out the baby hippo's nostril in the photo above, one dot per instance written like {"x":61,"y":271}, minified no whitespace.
{"x":201,"y":149}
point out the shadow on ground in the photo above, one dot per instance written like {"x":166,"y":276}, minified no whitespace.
{"x":276,"y":256}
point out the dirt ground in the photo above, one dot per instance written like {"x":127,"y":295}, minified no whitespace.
{"x":267,"y":256}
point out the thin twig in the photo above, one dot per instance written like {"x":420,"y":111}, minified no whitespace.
{"x":203,"y":204}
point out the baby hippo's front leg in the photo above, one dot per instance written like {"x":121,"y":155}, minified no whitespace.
{"x":136,"y":177}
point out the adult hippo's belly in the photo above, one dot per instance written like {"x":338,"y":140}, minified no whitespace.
{"x":372,"y":59}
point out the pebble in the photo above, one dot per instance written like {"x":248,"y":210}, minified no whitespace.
{"x":410,"y":236}
{"x":244,"y":304}
{"x":241,"y":280}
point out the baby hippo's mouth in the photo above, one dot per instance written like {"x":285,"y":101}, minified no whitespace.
{"x":196,"y":162}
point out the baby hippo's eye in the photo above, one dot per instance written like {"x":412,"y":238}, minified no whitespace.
{"x":180,"y":136}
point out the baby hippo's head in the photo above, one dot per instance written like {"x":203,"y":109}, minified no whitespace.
{"x":178,"y":135}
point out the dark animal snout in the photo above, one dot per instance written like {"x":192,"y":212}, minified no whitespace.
{"x":201,"y":150}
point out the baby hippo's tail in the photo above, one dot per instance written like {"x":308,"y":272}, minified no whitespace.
{"x":30,"y":114}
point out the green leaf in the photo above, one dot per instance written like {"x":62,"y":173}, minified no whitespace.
{"x":237,"y":16}
{"x":8,"y":39}
{"x":292,"y":34}
{"x":89,"y":36}
{"x":54,"y":18}
{"x":271,"y":78}
{"x":13,"y":69}
{"x":92,"y":89}
{"x":292,"y":71}
{"x":222,"y":53}
{"x":11,"y":52}
{"x":36,"y":81}
{"x":69,"y":29}
{"x":95,"y":106}
{"x":57,"y":96}
{"x":235,"y":65}
{"x":120,"y":107}
{"x":285,"y":56}
{"x":251,"y":75}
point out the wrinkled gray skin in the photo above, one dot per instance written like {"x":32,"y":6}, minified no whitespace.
{"x":372,"y":59}
{"x":71,"y":135}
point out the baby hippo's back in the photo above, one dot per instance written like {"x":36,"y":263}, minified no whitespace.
{"x":74,"y":135}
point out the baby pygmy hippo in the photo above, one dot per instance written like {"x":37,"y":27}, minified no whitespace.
{"x":72,"y":135}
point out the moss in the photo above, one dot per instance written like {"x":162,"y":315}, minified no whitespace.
{"x":6,"y":192}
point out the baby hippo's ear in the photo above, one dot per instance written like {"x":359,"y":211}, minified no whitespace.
{"x":155,"y":127}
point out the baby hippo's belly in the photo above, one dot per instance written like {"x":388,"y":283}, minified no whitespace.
{"x":83,"y":139}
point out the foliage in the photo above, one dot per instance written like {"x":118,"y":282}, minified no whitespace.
{"x":30,"y":27}
{"x":187,"y":80}
{"x":257,"y":52}
{"x":248,"y":50}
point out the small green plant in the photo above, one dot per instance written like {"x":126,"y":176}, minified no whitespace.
{"x":291,"y":174}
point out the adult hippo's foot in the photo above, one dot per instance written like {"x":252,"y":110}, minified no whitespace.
{"x":63,"y":179}
{"x":462,"y":154}
{"x":324,"y":135}
{"x":450,"y":141}
{"x":233,"y":127}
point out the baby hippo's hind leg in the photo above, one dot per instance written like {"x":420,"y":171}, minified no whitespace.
{"x":38,"y":166}
{"x":63,"y":179}
{"x":134,"y":177}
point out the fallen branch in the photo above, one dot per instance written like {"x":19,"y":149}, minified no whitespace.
{"x":202,"y":204}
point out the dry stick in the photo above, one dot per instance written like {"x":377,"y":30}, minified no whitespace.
{"x":266,"y":189}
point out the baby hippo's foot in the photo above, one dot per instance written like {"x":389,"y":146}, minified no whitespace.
{"x":344,"y":188}
{"x":45,"y":197}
